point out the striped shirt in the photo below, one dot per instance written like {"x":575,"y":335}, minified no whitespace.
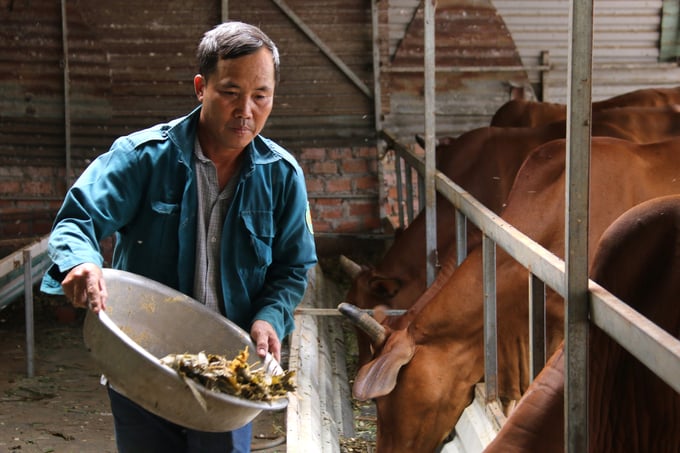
{"x":212,"y":209}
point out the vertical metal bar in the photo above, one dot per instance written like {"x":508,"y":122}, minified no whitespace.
{"x":537,"y":350}
{"x":461,"y":237}
{"x":545,"y":62}
{"x":224,"y":10}
{"x":28,"y":309}
{"x":377,"y":102}
{"x":490,"y":328}
{"x":430,"y":188}
{"x":421,"y":192}
{"x":576,"y":228}
{"x":67,"y":96}
{"x":377,"y":89}
{"x":410,"y":200}
{"x":400,"y":189}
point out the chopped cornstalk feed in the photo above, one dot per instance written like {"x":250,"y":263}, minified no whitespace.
{"x":234,"y":377}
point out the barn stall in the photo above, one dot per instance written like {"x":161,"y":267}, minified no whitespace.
{"x":80,"y":75}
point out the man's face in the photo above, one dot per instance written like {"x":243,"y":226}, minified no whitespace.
{"x":237,"y":100}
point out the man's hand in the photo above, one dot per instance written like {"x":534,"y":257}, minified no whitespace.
{"x":84,"y":286}
{"x":266,"y":340}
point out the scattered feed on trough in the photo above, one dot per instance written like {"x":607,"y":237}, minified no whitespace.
{"x":322,"y":416}
{"x":364,"y":415}
{"x":365,"y":421}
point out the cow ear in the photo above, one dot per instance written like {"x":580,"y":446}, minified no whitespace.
{"x":379,"y":376}
{"x":385,"y":287}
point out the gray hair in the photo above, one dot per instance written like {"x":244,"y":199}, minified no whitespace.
{"x":232,"y":40}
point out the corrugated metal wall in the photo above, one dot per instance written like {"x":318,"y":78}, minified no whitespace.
{"x":131,"y":70}
{"x":468,"y":34}
{"x":316,"y":103}
{"x":126,"y":71}
{"x":625,"y":44}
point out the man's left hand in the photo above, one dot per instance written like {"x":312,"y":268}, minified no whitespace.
{"x":265,"y":339}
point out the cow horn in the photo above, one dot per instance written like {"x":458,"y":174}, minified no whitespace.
{"x":349,"y":266}
{"x":365,"y":322}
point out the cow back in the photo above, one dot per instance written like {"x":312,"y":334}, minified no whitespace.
{"x":524,"y":113}
{"x":638,"y":260}
{"x":630,"y":408}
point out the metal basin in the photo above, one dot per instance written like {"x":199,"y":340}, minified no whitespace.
{"x":145,"y":321}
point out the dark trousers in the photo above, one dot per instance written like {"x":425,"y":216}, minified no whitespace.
{"x":139,"y":431}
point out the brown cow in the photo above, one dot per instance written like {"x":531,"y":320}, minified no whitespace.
{"x":631,"y":410}
{"x":484,"y":162}
{"x":523,"y":113}
{"x":644,"y":97}
{"x":423,"y":375}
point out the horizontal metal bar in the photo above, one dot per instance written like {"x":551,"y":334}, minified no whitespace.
{"x":404,"y":69}
{"x":16,"y":259}
{"x":16,"y":286}
{"x":544,"y":264}
{"x":513,"y":68}
{"x":654,"y":347}
{"x":530,"y":254}
{"x":334,"y":311}
{"x":346,"y":196}
{"x":368,"y":236}
{"x":650,"y":344}
{"x":15,"y":197}
{"x":635,"y":333}
{"x":405,"y":153}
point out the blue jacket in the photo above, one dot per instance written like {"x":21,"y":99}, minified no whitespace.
{"x":143,"y":190}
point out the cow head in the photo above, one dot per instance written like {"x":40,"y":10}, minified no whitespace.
{"x":407,"y":379}
{"x":370,"y":289}
{"x":424,"y":373}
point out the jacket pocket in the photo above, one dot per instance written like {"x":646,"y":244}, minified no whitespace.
{"x":160,"y":231}
{"x":161,"y":207}
{"x":260,"y":227}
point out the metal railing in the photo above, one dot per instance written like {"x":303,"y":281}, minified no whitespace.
{"x":650,"y":344}
{"x":18,"y":272}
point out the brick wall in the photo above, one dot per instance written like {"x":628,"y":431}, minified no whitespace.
{"x":344,"y":190}
{"x":28,"y":203}
{"x":342,"y":184}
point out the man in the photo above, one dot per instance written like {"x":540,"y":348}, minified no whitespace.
{"x":203,"y":204}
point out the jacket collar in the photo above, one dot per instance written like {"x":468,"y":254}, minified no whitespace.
{"x":182,"y":131}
